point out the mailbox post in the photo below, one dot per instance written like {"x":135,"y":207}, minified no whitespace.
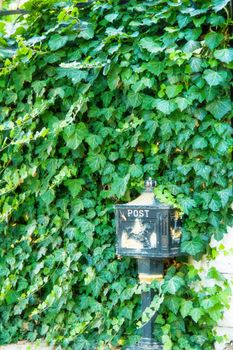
{"x":149,"y":231}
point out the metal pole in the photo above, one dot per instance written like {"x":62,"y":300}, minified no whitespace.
{"x":149,"y":270}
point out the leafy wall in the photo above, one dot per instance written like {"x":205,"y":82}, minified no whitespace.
{"x":93,"y":101}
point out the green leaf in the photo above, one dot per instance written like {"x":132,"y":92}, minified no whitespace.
{"x":215,"y":204}
{"x":57,"y":41}
{"x":208,"y":303}
{"x":81,"y":343}
{"x":225,"y":196}
{"x":7,"y":53}
{"x":134,"y":99}
{"x":155,"y":67}
{"x":219,"y":108}
{"x":192,"y":247}
{"x":224,"y":55}
{"x":185,"y":308}
{"x":173,"y":90}
{"x":167,"y":107}
{"x":173,"y":304}
{"x":199,"y":142}
{"x":111,"y":17}
{"x":191,"y":46}
{"x":74,"y":186}
{"x":87,"y":31}
{"x":213,"y":39}
{"x":48,"y":196}
{"x":150,"y":45}
{"x":113,"y":78}
{"x":76,"y":75}
{"x":119,"y":186}
{"x":214,"y":219}
{"x":196,"y":64}
{"x":202,"y":170}
{"x":182,"y":103}
{"x":196,"y":314}
{"x":187,"y":204}
{"x":136,"y":170}
{"x":94,"y":141}
{"x":11,"y":297}
{"x":96,"y":161}
{"x":220,"y":4}
{"x":71,"y":137}
{"x":174,"y":284}
{"x":214,"y":78}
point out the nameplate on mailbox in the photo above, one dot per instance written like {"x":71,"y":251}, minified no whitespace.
{"x":131,"y":214}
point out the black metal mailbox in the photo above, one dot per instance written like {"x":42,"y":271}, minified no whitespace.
{"x":147,"y":228}
{"x":149,"y":231}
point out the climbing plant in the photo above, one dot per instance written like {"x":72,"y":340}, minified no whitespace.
{"x":93,"y":101}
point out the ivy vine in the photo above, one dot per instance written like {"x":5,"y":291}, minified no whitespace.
{"x":93,"y":101}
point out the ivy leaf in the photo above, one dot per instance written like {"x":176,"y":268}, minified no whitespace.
{"x":199,"y":142}
{"x":113,"y":78}
{"x":202,"y":170}
{"x":214,"y":219}
{"x":87,"y":31}
{"x":71,"y":137}
{"x":225,"y":195}
{"x":220,"y":4}
{"x":119,"y":186}
{"x":174,"y":284}
{"x":81,"y":343}
{"x":57,"y":41}
{"x":48,"y":196}
{"x":173,"y":90}
{"x":96,"y":161}
{"x":192,"y":247}
{"x":213,"y":39}
{"x":134,"y":99}
{"x":94,"y":141}
{"x":155,"y":67}
{"x":196,"y":64}
{"x":215,"y":204}
{"x":167,"y":107}
{"x":186,"y":307}
{"x":111,"y":17}
{"x":11,"y":297}
{"x":214,"y":78}
{"x":191,"y":46}
{"x":196,"y":314}
{"x":173,"y":304}
{"x":182,"y":103}
{"x":74,"y":186}
{"x":150,"y":45}
{"x":7,"y":53}
{"x":208,"y":303}
{"x":224,"y":55}
{"x":219,"y":108}
{"x":187,"y":204}
{"x":136,"y":170}
{"x":76,"y":75}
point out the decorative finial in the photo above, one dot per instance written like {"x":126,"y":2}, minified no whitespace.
{"x":150,"y":184}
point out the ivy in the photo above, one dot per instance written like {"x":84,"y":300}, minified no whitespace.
{"x":95,"y":99}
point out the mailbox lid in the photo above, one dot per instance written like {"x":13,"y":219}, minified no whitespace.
{"x":146,"y":199}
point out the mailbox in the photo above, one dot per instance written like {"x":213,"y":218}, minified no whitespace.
{"x":149,"y":231}
{"x":146,"y":227}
